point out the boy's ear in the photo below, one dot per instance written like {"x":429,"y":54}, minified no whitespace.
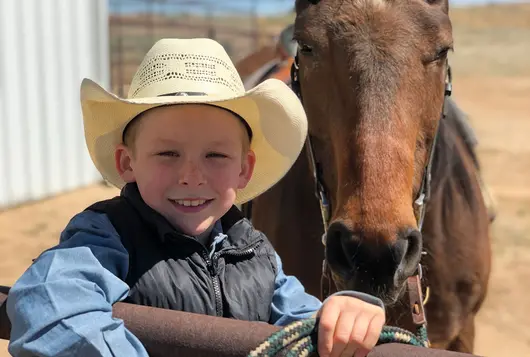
{"x":123,"y":159}
{"x":247,"y":168}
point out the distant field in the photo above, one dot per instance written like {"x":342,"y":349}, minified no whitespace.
{"x":492,"y":40}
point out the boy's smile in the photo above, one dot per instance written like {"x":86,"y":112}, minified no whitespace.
{"x":190,"y":205}
{"x":188,"y":162}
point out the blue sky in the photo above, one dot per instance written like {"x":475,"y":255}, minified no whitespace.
{"x":263,"y":7}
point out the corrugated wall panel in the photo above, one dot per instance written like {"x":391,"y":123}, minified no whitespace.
{"x":46,"y":48}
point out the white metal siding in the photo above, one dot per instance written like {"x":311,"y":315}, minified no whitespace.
{"x":46,"y":48}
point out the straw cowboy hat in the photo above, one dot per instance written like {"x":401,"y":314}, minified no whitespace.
{"x":180,"y":71}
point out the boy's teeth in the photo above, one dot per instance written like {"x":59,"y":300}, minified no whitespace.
{"x":189,"y":203}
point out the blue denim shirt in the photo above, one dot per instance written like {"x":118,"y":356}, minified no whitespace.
{"x":62,"y":305}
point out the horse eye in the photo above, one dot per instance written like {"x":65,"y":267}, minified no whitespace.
{"x":305,"y":49}
{"x":442,"y":53}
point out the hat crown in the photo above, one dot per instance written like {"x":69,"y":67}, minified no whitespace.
{"x":186,"y":67}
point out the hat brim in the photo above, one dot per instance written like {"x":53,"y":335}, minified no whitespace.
{"x":271,"y":109}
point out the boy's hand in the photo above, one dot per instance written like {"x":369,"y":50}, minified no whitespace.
{"x":348,"y":327}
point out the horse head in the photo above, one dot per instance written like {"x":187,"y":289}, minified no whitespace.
{"x":372,"y":75}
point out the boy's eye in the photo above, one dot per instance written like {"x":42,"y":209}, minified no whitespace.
{"x":216,"y":155}
{"x":168,"y":153}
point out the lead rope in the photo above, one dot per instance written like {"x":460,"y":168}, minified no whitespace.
{"x":304,"y":336}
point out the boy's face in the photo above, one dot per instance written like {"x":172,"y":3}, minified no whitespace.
{"x":188,"y":161}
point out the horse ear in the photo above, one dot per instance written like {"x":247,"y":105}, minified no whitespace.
{"x":444,"y":4}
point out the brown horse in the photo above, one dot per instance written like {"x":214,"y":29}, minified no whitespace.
{"x":371,"y":75}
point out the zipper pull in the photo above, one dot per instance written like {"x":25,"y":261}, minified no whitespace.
{"x":212,"y":264}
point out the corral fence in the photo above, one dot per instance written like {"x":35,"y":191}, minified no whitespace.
{"x":239,"y":25}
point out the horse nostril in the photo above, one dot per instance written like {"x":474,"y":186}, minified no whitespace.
{"x":413,"y":236}
{"x":339,"y":244}
{"x":338,"y":231}
{"x":407,"y":252}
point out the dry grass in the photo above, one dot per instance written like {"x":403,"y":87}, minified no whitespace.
{"x":492,"y":41}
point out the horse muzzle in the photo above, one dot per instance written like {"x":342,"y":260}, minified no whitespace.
{"x":371,"y":262}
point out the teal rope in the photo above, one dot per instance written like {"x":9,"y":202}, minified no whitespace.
{"x":304,"y":333}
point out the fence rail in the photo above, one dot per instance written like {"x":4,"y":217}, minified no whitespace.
{"x":167,"y":333}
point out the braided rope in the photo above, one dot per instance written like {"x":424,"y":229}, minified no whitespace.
{"x":304,"y":334}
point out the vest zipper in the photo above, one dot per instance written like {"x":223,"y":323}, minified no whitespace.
{"x":212,"y":267}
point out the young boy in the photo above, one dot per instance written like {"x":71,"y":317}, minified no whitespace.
{"x":186,"y":145}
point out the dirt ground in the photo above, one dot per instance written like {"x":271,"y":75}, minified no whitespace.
{"x":496,"y":94}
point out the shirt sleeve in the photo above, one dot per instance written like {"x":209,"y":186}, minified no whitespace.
{"x":291,"y":303}
{"x":62,"y":304}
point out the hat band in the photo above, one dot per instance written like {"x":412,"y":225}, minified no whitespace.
{"x":182,"y":94}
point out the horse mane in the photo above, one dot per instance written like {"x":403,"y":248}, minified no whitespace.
{"x":451,"y":169}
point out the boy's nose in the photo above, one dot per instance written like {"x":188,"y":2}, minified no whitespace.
{"x":190,"y":174}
